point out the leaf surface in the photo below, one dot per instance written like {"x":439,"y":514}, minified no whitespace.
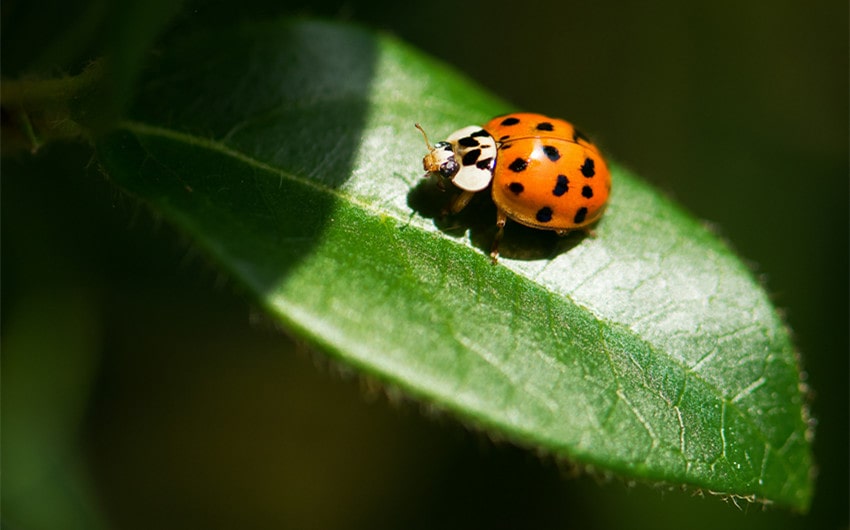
{"x":287,"y":151}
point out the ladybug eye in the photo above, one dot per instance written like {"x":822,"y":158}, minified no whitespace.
{"x":449,"y":168}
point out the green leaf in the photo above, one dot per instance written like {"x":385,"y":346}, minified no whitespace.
{"x":287,"y":151}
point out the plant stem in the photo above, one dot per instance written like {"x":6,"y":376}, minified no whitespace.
{"x":43,"y":109}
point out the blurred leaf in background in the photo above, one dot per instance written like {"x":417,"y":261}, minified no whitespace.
{"x":187,"y":426}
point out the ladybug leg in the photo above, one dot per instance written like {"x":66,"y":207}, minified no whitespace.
{"x":459,"y":203}
{"x":591,"y":232}
{"x":501,"y":219}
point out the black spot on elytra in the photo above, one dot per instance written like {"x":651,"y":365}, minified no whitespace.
{"x":545,"y":126}
{"x":544,"y":215}
{"x":516,"y":187}
{"x":518,"y":165}
{"x":479,"y":133}
{"x":505,"y":137}
{"x":468,"y":141}
{"x":561,"y":186}
{"x":471,"y":157}
{"x":505,"y":147}
{"x":484,"y":164}
{"x":587,"y":192}
{"x":552,"y":152}
{"x":580,"y":215}
{"x":510,"y":121}
{"x":578,"y":135}
{"x":587,"y":169}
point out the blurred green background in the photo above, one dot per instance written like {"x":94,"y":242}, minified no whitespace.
{"x":140,"y":390}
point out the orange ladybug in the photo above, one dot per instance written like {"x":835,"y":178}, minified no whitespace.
{"x":543,"y":172}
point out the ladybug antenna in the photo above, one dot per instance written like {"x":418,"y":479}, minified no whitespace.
{"x":427,"y":143}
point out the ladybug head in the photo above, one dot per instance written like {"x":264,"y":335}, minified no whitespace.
{"x":440,"y":159}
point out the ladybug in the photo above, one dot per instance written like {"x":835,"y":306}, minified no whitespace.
{"x":543,"y":173}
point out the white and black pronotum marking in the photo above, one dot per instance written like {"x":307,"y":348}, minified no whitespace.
{"x":467,"y":158}
{"x":475,"y":149}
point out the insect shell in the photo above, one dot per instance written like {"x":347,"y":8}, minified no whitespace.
{"x":545,"y":174}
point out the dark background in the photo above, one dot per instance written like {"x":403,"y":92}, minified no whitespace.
{"x":141,"y":391}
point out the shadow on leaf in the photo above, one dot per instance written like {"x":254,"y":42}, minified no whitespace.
{"x":479,"y":220}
